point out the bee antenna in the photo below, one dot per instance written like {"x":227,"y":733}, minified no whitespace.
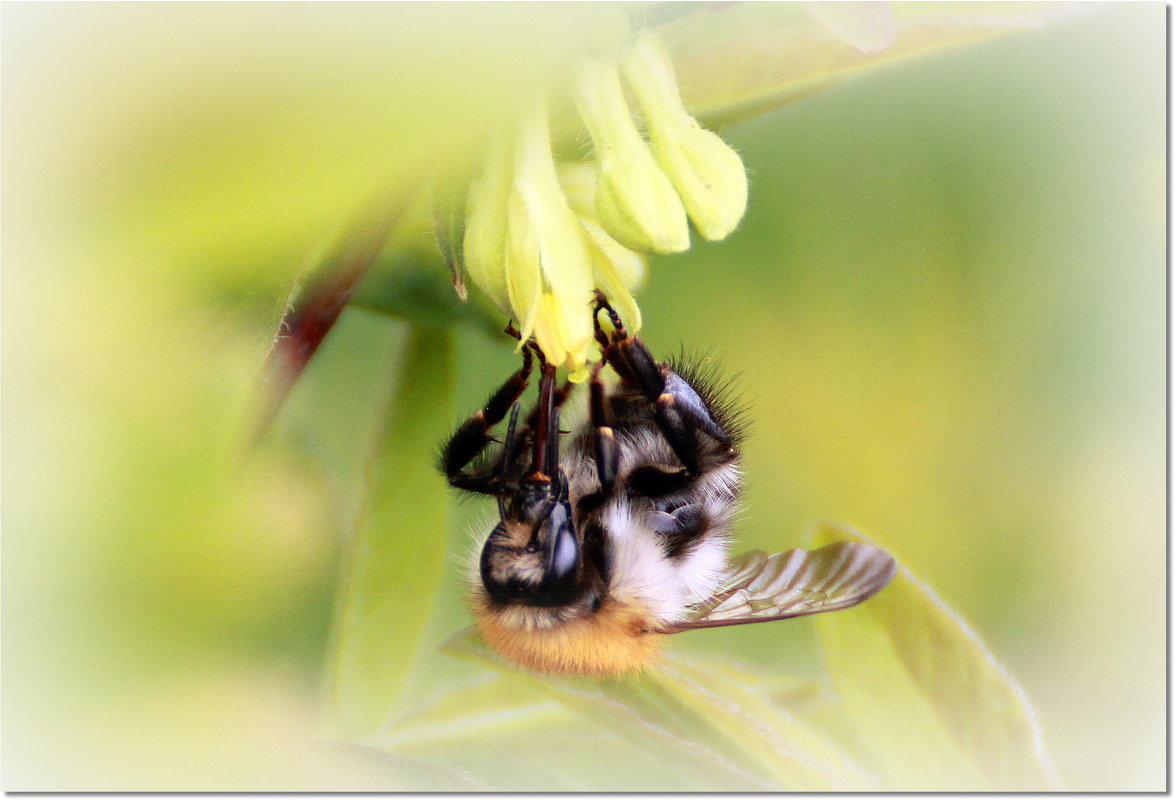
{"x":548,"y":506}
{"x":508,"y":446}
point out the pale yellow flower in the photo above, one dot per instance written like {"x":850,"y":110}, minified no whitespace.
{"x":707,"y":173}
{"x":635,"y":200}
{"x":526,"y":248}
{"x":540,"y":236}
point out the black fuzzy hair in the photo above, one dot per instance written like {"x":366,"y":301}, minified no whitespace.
{"x":717,"y":390}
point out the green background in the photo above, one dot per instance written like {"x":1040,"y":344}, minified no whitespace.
{"x":945,"y":309}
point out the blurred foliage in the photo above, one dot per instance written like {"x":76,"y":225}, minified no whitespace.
{"x":957,"y":266}
{"x":919,"y":705}
{"x":928,"y":704}
{"x":398,"y":556}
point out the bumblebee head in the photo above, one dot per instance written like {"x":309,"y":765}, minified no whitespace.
{"x":532,"y":557}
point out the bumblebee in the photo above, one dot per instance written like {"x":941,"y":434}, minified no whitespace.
{"x":620,"y":537}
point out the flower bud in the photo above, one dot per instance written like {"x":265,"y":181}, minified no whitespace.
{"x":635,"y":201}
{"x":707,"y":173}
{"x":484,"y":242}
{"x":523,"y":273}
{"x":525,"y":247}
{"x":616,"y":270}
{"x":549,"y":264}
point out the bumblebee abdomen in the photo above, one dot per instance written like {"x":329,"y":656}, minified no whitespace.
{"x":614,"y":640}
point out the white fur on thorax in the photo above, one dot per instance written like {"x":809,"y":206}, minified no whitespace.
{"x":641,"y":575}
{"x":640,"y":572}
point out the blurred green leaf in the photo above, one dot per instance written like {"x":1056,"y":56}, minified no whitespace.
{"x":733,"y":697}
{"x":514,"y":736}
{"x":697,"y":716}
{"x":410,"y":287}
{"x":643,"y":713}
{"x":397,"y":559}
{"x":487,"y":706}
{"x":412,"y":774}
{"x":929,"y":703}
{"x":658,"y":12}
{"x":867,"y":26}
{"x":314,"y":308}
{"x":764,"y":67}
{"x":449,"y":213}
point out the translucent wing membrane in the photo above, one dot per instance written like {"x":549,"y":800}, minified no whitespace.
{"x":760,"y":588}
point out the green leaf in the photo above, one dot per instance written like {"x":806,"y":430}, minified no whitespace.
{"x":926,"y":698}
{"x":398,"y":556}
{"x":739,"y":701}
{"x":413,"y":774}
{"x":312,"y":310}
{"x":485,"y":707}
{"x":639,"y":711}
{"x":867,"y":26}
{"x":410,"y":287}
{"x":700,"y":717}
{"x":515,"y":737}
{"x":770,"y":58}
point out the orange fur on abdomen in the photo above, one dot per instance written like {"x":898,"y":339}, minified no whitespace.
{"x":611,"y":641}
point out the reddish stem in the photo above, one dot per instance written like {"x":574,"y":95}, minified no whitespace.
{"x":310,"y":317}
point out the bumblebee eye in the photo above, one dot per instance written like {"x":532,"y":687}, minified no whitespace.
{"x":544,"y":573}
{"x":560,"y":583}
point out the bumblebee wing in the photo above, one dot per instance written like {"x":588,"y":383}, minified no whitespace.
{"x":758,"y":588}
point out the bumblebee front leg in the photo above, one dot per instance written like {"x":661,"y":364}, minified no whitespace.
{"x":678,"y":409}
{"x":472,"y":436}
{"x":608,"y":457}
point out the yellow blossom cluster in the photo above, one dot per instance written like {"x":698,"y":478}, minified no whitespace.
{"x":539,"y":235}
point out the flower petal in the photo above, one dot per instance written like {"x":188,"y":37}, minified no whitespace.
{"x":706,"y":172}
{"x":484,"y":244}
{"x":563,"y":260}
{"x":635,"y":200}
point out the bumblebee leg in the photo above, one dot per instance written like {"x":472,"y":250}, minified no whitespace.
{"x":473,"y":435}
{"x":613,"y":317}
{"x":607,"y":455}
{"x":678,"y":409}
{"x":607,"y":342}
{"x":681,"y":400}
